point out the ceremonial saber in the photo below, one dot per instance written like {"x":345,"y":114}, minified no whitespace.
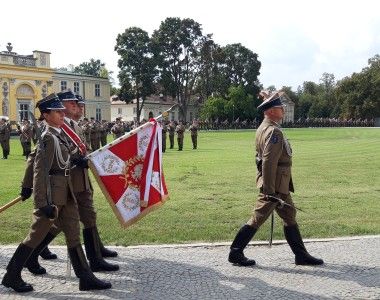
{"x":13,"y":202}
{"x":271,"y":231}
{"x":282,"y":202}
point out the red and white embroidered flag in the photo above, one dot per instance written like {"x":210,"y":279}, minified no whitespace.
{"x":129,"y":172}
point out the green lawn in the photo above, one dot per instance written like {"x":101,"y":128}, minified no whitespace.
{"x":212,"y":189}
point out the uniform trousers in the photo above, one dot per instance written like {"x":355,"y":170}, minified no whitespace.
{"x":265,"y":207}
{"x":67,"y":220}
{"x":85,"y":209}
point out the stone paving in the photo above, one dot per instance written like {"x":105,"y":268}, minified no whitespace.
{"x":201,"y":271}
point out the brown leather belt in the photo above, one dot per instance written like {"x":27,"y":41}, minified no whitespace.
{"x":64,"y":172}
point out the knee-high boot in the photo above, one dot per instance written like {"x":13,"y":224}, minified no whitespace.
{"x":241,"y":241}
{"x":93,"y":252}
{"x":47,"y":254}
{"x":12,"y":277}
{"x":87,"y":280}
{"x":294,"y":239}
{"x":105,"y":252}
{"x":32,"y":263}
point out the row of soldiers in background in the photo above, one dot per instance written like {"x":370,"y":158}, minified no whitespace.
{"x":168,"y":127}
{"x":171,"y":128}
{"x":95,"y":132}
{"x":300,"y":123}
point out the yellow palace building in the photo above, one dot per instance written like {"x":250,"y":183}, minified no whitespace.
{"x":25,"y":79}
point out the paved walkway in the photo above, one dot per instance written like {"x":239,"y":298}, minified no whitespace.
{"x":201,"y":271}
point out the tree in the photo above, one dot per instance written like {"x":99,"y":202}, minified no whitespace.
{"x":137,"y":66}
{"x":210,"y":76}
{"x":176,"y":45}
{"x":240,"y":67}
{"x":358,"y":95}
{"x":93,"y":68}
{"x":237,"y":104}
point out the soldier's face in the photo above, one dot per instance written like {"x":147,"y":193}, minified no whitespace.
{"x":277,"y":112}
{"x":71,"y":108}
{"x":55,"y":118}
{"x":81,"y":110}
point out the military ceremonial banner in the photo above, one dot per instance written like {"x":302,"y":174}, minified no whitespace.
{"x":129,"y":172}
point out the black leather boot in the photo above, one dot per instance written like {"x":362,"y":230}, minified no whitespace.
{"x":105,"y":252}
{"x":87,"y":280}
{"x":47,"y":254}
{"x":94,"y":255}
{"x":32,"y":263}
{"x":241,"y":241}
{"x":12,"y":278}
{"x":294,"y":239}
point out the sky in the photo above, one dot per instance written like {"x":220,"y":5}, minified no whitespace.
{"x":295,"y":40}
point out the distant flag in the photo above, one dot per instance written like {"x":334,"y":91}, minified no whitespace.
{"x":129,"y":172}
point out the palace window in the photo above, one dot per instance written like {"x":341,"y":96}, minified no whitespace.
{"x":76,"y":87}
{"x":97,"y":90}
{"x":98,"y":116}
{"x":23,"y":111}
{"x":63,"y":85}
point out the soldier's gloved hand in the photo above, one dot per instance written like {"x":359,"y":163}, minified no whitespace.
{"x":26,"y":193}
{"x":49,"y":211}
{"x":81,"y":162}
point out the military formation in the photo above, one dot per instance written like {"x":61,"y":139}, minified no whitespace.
{"x":58,"y":166}
{"x":299,"y":123}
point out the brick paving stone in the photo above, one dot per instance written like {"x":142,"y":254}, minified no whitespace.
{"x":201,"y":271}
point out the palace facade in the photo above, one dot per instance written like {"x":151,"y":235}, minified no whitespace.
{"x":25,"y":79}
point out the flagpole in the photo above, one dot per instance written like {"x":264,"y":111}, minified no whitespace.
{"x":128,"y":134}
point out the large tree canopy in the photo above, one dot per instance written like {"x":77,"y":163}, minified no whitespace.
{"x":92,"y":68}
{"x":137,"y":66}
{"x":177,"y":45}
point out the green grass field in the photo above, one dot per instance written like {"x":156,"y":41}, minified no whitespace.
{"x":212,"y":189}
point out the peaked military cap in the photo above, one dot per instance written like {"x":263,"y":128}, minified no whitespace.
{"x":50,"y":102}
{"x":80,"y":99}
{"x":67,"y":96}
{"x":272,"y":101}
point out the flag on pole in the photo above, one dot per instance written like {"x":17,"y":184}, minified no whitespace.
{"x":129,"y":172}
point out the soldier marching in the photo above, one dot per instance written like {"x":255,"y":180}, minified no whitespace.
{"x":5,"y":135}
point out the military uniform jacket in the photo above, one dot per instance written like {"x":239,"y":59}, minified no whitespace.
{"x":79,"y":176}
{"x":180,"y":129}
{"x":26,"y":133}
{"x":276,"y":154}
{"x":194,"y":130}
{"x":60,"y":185}
{"x":117,"y":130}
{"x":171,"y":130}
{"x":4,"y":132}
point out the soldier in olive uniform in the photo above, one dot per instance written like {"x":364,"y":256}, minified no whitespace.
{"x":82,"y":189}
{"x":194,"y":134}
{"x":118,"y":129}
{"x":26,"y":134}
{"x":94,"y":134}
{"x":87,"y":133}
{"x":103,"y":132}
{"x":5,"y":135}
{"x":274,"y":161}
{"x":54,"y":204}
{"x":180,"y":130}
{"x":171,"y":130}
{"x":164,"y":131}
